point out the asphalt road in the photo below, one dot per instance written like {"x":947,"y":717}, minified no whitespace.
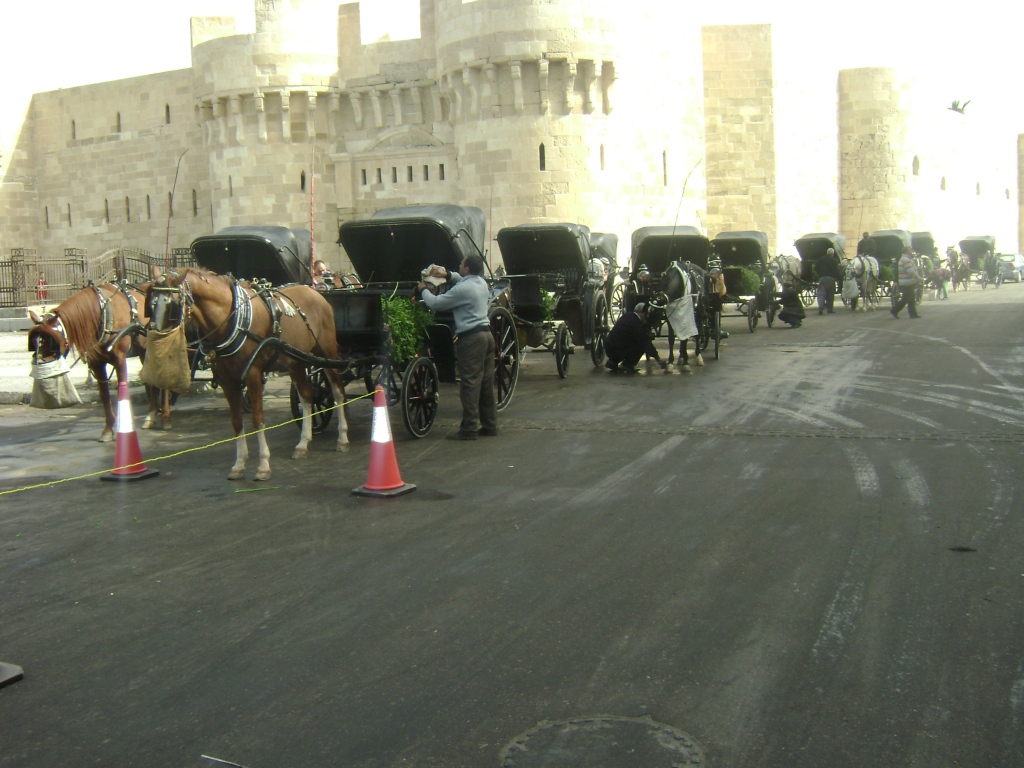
{"x":807,"y":553}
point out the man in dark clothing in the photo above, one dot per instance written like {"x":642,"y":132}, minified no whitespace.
{"x":628,"y":340}
{"x":866,"y":246}
{"x":792,"y":308}
{"x":828,"y":275}
{"x":468,"y":299}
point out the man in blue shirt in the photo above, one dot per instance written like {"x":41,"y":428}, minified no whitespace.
{"x":467,"y":299}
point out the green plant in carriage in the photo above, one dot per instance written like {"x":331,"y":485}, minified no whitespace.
{"x":405,"y":323}
{"x":741,"y":282}
{"x":885,"y":274}
{"x":547,"y":303}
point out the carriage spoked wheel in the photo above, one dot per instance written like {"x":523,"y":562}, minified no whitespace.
{"x":419,"y":396}
{"x":600,"y":319}
{"x":323,"y":400}
{"x":769,"y":314}
{"x":703,"y":327}
{"x":384,"y":374}
{"x":808,"y":295}
{"x":752,"y":315}
{"x":563,"y":349}
{"x":506,"y":355}
{"x":618,"y":301}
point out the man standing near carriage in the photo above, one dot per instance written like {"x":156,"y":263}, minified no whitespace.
{"x":468,"y":299}
{"x":909,"y":278}
{"x":828,"y":275}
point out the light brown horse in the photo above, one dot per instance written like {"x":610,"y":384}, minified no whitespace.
{"x":87,"y":322}
{"x":251,"y":331}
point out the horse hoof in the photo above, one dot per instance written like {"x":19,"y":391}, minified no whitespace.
{"x":342,"y":447}
{"x":147,"y":424}
{"x":300,"y":454}
{"x":106,"y":437}
{"x":700,"y":360}
{"x":686,"y":368}
{"x":237,"y":474}
{"x":263,"y":474}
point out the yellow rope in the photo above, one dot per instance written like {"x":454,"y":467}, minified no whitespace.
{"x":173,"y":455}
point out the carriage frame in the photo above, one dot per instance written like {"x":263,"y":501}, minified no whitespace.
{"x":811,"y":248}
{"x":746,"y":250}
{"x":559,"y":287}
{"x":653,"y":251}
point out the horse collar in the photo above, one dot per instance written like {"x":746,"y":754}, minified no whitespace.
{"x":242,"y":313}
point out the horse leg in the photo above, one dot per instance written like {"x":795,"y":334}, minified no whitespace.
{"x":698,"y":359}
{"x":671,"y":344}
{"x":234,"y":398}
{"x":300,"y":378}
{"x":99,"y":372}
{"x":255,"y":386}
{"x":338,"y":388}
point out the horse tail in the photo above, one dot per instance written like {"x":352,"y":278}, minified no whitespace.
{"x":80,"y":316}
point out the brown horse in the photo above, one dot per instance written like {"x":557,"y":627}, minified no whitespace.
{"x":250,"y":331}
{"x":87,"y":322}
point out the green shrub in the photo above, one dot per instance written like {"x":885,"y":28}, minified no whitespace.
{"x":407,"y":322}
{"x":741,"y":282}
{"x":547,"y":302}
{"x":885,"y":274}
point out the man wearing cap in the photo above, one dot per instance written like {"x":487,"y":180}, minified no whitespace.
{"x":467,"y":299}
{"x":628,"y":340}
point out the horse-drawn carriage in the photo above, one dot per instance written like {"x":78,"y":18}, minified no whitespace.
{"x":980,"y":252}
{"x":812,"y":248}
{"x":559,"y":288}
{"x":666,"y":263}
{"x":889,"y":246}
{"x":389,"y":251}
{"x":749,"y":283}
{"x":328,"y":339}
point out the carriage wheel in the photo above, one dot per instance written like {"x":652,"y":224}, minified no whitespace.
{"x":323,"y":400}
{"x":770,"y":313}
{"x":984,"y":280}
{"x":894,"y":297}
{"x":808,"y":296}
{"x":506,"y":355}
{"x":419,"y":396}
{"x":618,"y":301}
{"x":600,"y":331}
{"x":752,"y":314}
{"x":563,"y":349}
{"x":717,"y":331}
{"x":383,"y":374}
{"x":703,"y":327}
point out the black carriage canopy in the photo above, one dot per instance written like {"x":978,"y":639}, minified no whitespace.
{"x":657,"y":247}
{"x":741,"y":249}
{"x":396,"y":244}
{"x":276,"y":254}
{"x":923,"y":243}
{"x":815,"y":245}
{"x":976,"y":246}
{"x":889,"y":245}
{"x":530,"y":249}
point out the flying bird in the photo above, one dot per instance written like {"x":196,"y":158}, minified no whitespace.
{"x":958,"y":107}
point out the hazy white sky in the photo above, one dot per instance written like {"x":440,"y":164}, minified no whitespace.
{"x":970,"y":47}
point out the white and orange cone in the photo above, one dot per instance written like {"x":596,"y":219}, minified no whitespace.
{"x":383,"y":479}
{"x":127,"y":456}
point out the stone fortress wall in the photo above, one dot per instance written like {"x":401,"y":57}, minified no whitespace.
{"x":533,"y":111}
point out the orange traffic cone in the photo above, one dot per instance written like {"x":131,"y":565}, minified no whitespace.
{"x":127,"y":456}
{"x":383,"y":479}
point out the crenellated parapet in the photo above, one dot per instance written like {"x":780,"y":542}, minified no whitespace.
{"x":504,"y":87}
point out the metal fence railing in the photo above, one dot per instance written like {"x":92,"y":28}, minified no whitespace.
{"x":28,"y":279}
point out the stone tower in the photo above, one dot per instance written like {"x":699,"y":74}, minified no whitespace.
{"x":873,"y":148}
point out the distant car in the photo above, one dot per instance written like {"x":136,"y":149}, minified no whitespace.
{"x":1011,"y":265}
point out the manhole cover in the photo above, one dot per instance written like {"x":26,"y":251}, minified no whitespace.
{"x":603,"y":741}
